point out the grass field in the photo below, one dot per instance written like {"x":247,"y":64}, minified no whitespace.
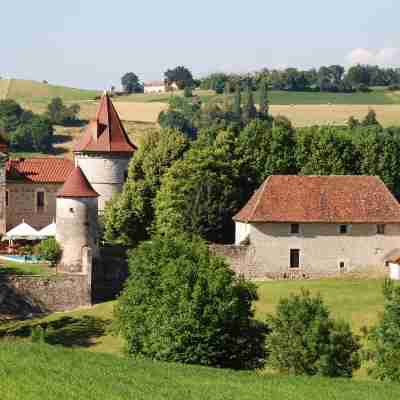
{"x":356,"y":301}
{"x":32,"y":91}
{"x":39,"y":372}
{"x":10,"y":267}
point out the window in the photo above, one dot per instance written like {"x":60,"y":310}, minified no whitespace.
{"x":380,"y":229}
{"x":40,"y":201}
{"x":343,"y":229}
{"x":7,"y":198}
{"x":294,"y":258}
{"x":294,"y":229}
{"x":125,"y":175}
{"x":342,"y":266}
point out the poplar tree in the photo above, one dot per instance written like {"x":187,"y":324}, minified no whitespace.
{"x":237,"y":105}
{"x":249,"y":109}
{"x":264,"y":103}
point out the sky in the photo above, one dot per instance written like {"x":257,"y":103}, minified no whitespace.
{"x":92,"y":43}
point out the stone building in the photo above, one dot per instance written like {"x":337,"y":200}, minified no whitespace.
{"x":30,"y":190}
{"x":304,"y":226}
{"x":104,"y":151}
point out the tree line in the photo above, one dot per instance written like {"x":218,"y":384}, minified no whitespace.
{"x":27,"y":131}
{"x":332,"y":78}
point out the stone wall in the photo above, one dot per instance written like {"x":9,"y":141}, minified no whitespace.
{"x":23,"y":295}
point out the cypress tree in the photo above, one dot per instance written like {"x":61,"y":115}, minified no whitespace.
{"x":237,"y":106}
{"x":249,"y":109}
{"x":264,"y":103}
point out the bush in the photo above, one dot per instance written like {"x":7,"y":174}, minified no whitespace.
{"x":384,"y":338}
{"x":181,"y":304}
{"x":304,"y":340}
{"x":50,"y":250}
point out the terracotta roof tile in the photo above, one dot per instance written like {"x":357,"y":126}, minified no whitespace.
{"x":77,"y":185}
{"x":329,"y":199}
{"x":39,"y":170}
{"x":106,"y":133}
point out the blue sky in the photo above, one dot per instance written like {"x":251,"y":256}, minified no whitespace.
{"x":91,"y":43}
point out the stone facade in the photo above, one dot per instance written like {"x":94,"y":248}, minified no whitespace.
{"x":22,"y":204}
{"x":323,"y":250}
{"x":106,"y":172}
{"x":77,"y":231}
{"x":23,"y":295}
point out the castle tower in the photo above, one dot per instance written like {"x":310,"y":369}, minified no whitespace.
{"x":77,"y":226}
{"x":104,"y":151}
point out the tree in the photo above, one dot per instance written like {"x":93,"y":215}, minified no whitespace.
{"x":249,"y":108}
{"x":49,"y":249}
{"x":59,"y":114}
{"x":127,"y":219}
{"x":181,"y":76}
{"x":264,"y":103}
{"x":131,"y":84}
{"x":11,"y":114}
{"x":181,"y":304}
{"x":237,"y":105}
{"x":384,"y":338}
{"x":370,"y":119}
{"x":353,"y":122}
{"x":200,"y":194}
{"x":304,"y":340}
{"x":187,"y":92}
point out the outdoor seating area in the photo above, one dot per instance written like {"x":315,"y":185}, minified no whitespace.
{"x":16,"y":240}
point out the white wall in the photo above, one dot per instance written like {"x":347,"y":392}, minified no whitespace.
{"x":322,"y":248}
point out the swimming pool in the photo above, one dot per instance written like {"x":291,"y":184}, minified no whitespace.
{"x":21,"y":259}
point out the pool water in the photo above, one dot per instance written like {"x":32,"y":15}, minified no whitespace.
{"x":21,"y":259}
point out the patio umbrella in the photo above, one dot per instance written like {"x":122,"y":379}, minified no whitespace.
{"x":48,"y":231}
{"x":22,"y":231}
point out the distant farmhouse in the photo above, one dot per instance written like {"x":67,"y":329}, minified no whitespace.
{"x":159,"y":87}
{"x":305,"y":226}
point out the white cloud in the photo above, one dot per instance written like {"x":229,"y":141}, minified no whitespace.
{"x":387,"y":56}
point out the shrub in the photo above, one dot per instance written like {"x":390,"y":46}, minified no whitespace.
{"x":50,"y":250}
{"x":38,"y":334}
{"x":304,"y":340}
{"x":384,"y":338}
{"x":181,"y":304}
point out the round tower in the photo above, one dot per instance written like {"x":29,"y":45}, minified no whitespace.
{"x":104,"y":151}
{"x":77,"y":225}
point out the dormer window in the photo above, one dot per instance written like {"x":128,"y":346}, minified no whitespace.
{"x":294,"y":229}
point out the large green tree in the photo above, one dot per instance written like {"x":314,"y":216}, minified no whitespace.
{"x":181,"y":304}
{"x":131,"y":84}
{"x":128,"y":218}
{"x":181,"y":76}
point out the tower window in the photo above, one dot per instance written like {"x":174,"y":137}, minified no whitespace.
{"x":380,"y":229}
{"x":40,"y":201}
{"x":294,"y":229}
{"x":343,"y":229}
{"x":7,"y":197}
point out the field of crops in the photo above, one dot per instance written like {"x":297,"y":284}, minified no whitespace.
{"x":41,"y":372}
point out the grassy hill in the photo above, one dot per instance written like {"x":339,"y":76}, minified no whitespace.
{"x":32,"y":372}
{"x":26,"y":91}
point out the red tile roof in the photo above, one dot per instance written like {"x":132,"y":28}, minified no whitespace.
{"x":77,"y":185}
{"x":328,"y":199}
{"x":106,"y":133}
{"x":39,"y":170}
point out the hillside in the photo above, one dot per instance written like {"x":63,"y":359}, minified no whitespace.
{"x":32,"y":372}
{"x":32,"y":91}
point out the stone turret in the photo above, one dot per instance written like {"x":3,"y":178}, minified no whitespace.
{"x":104,"y":151}
{"x":77,"y":225}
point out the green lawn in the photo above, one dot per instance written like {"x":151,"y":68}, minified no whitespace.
{"x":39,"y":372}
{"x":16,"y":268}
{"x":279,"y":97}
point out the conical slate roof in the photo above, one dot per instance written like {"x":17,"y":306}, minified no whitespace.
{"x":77,"y":185}
{"x":105,"y":133}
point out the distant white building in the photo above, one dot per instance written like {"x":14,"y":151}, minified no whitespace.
{"x":158,"y":87}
